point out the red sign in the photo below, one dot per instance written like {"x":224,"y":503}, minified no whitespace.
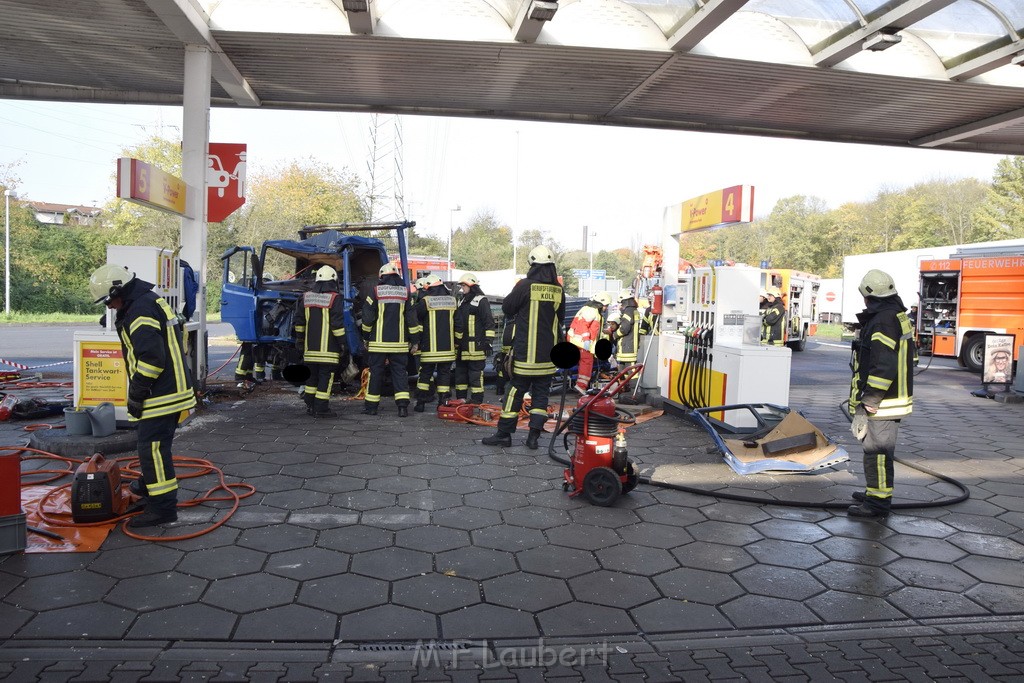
{"x":225,"y":180}
{"x":830,"y":296}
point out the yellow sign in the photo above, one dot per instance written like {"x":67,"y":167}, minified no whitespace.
{"x":721,"y":207}
{"x":101,"y":374}
{"x":146,"y":184}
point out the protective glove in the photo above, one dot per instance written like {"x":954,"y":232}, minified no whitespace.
{"x":487,"y":348}
{"x":859,"y":426}
{"x":586,"y":346}
{"x":138,"y":391}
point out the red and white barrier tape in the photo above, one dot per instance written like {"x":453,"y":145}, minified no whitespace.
{"x":34,"y":367}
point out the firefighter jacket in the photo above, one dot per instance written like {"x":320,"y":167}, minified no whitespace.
{"x":507,"y":333}
{"x":536,"y":305}
{"x":474,"y":325}
{"x":883,"y":360}
{"x":631,"y":326}
{"x":585,"y":328}
{"x":151,"y":344}
{"x":771,"y":322}
{"x":320,"y":324}
{"x":389,"y":323}
{"x":435,"y":310}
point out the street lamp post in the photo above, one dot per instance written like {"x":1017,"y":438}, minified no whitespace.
{"x":7,"y":250}
{"x":451,"y":231}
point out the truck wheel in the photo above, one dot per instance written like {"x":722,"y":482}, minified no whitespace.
{"x":801,"y":343}
{"x":972,"y":355}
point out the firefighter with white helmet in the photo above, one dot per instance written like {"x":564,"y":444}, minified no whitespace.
{"x":320,"y":334}
{"x":391,"y":331}
{"x":160,"y":393}
{"x":474,"y":338}
{"x":536,"y":305}
{"x":584,"y":331}
{"x":882,"y":390}
{"x":773,"y":313}
{"x":627,"y":334}
{"x":435,"y":310}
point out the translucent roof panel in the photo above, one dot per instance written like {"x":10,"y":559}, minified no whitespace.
{"x":870,"y":8}
{"x":1013,"y":10}
{"x":812,"y":20}
{"x":960,"y":28}
{"x":667,"y":14}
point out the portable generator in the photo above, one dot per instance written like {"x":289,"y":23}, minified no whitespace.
{"x":600,"y":467}
{"x":96,"y":491}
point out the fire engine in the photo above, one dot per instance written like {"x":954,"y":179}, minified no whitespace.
{"x":800,"y":295}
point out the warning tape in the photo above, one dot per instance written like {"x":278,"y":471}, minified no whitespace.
{"x":33,"y":367}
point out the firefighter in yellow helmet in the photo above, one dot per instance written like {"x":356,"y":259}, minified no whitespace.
{"x":882,"y":390}
{"x":474,"y":337}
{"x":435,"y":310}
{"x":537,"y":306}
{"x":160,"y":393}
{"x":320,"y":330}
{"x":391,"y":331}
{"x":773,"y":313}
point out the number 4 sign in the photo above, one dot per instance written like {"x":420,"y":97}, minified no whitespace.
{"x":225,"y":180}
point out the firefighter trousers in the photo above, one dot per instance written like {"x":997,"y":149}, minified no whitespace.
{"x":155,"y":436}
{"x":469,"y":377}
{"x":443,"y":370}
{"x":378,"y":362}
{"x":539,"y":387}
{"x":585,"y":370}
{"x":318,"y":387}
{"x":879,"y":449}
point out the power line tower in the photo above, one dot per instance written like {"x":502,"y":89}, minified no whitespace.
{"x":387,"y":186}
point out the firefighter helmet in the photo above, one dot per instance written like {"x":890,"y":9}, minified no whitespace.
{"x":388,"y":269}
{"x":107,"y":281}
{"x":775,"y":291}
{"x":603,"y":298}
{"x":469,"y":279}
{"x":326,"y":273}
{"x":432,"y":281}
{"x":540,"y":254}
{"x":877,"y":283}
{"x":625,"y":295}
{"x":421,"y":282}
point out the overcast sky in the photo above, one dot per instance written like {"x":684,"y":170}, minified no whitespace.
{"x":556,"y":177}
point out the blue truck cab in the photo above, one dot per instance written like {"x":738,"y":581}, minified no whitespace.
{"x":261,"y":308}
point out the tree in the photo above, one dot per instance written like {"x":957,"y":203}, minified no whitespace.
{"x":1003,"y":213}
{"x":133,"y":224}
{"x":483,"y":244}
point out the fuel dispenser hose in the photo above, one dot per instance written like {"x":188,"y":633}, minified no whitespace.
{"x":190,"y":467}
{"x":964,"y":491}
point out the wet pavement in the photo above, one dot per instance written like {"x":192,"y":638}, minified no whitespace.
{"x":381,"y":548}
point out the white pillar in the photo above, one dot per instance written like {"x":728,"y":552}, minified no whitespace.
{"x":195,"y":140}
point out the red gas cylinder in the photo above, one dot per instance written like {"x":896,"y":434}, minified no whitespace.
{"x":10,"y":484}
{"x":657,"y":299}
{"x":7,"y":405}
{"x":603,"y":406}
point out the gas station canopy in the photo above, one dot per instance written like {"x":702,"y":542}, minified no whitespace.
{"x":947,"y":74}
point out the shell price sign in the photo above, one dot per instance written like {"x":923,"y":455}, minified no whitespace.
{"x":146,"y":184}
{"x":718,"y":209}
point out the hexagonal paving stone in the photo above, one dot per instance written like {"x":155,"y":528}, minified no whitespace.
{"x":395,"y":518}
{"x":465,"y":518}
{"x":337,"y":483}
{"x":583,"y":536}
{"x":786,"y":553}
{"x":475,"y":563}
{"x":672,"y":516}
{"x":95,"y":620}
{"x":655,"y":535}
{"x":355,"y":539}
{"x":435,"y":593}
{"x":251,"y":593}
{"x":613,"y":589}
{"x":432,"y":539}
{"x":779,"y":582}
{"x":369,"y":471}
{"x":934,"y":575}
{"x":296,"y":500}
{"x":191,"y":621}
{"x":726,"y":533}
{"x":791,"y":530}
{"x":61,"y":590}
{"x":430,"y":499}
{"x":343,"y":593}
{"x":837,"y":607}
{"x":307,"y":563}
{"x":757,"y":611}
{"x":701,"y":554}
{"x":919,"y":526}
{"x":430,"y":471}
{"x":578,"y":619}
{"x":156,"y":591}
{"x":151,"y":558}
{"x":989,"y":546}
{"x":391,"y":564}
{"x":363,"y":500}
{"x":288,"y":623}
{"x":520,"y":484}
{"x":557,"y":561}
{"x":507,"y":537}
{"x":397,"y":484}
{"x":277,"y":538}
{"x":856,"y":578}
{"x":388,"y":622}
{"x":696,"y":585}
{"x":998,"y":599}
{"x":460,"y":485}
{"x":485,"y":471}
{"x":847,"y":550}
{"x":636,"y":559}
{"x":218,"y":563}
{"x":924,"y":548}
{"x":311,"y":470}
{"x":611,"y":517}
{"x":496,"y":500}
{"x":537,"y":517}
{"x":740,"y":513}
{"x":528,"y":592}
{"x":993,"y":570}
{"x":488,"y":621}
{"x":922,"y":603}
{"x":670,"y":616}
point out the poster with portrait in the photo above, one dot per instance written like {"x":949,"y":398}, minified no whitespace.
{"x":998,"y":359}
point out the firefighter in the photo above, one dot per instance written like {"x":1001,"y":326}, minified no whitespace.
{"x":627,"y":335}
{"x":251,"y":368}
{"x":474,"y":336}
{"x":160,"y":391}
{"x":536,"y":306}
{"x":647,"y":314}
{"x":391,"y":333}
{"x":882,"y":389}
{"x":501,"y":359}
{"x":436,"y":312}
{"x":584,"y":331}
{"x":320,"y":333}
{"x":773,"y":313}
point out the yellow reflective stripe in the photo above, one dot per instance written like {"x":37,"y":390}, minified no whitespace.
{"x":489,"y":334}
{"x":432,"y":316}
{"x":177,"y":358}
{"x":401,"y":395}
{"x":158,"y":401}
{"x":372,"y":398}
{"x":506,"y":408}
{"x":143,"y":321}
{"x":150,"y":371}
{"x":416,"y":328}
{"x":321,"y":356}
{"x":533,"y":369}
{"x":474,"y":355}
{"x":388,"y":347}
{"x":162,"y":488}
{"x":458,"y":335}
{"x":423,"y":386}
{"x":365,"y":328}
{"x":340,"y":332}
{"x":879,"y":382}
{"x":538,"y":411}
{"x":885,"y":339}
{"x":531,"y":341}
{"x":325,"y":327}
{"x":300,"y":328}
{"x":437,"y":356}
{"x":901,"y":371}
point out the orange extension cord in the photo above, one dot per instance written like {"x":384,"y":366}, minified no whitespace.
{"x":193,"y":467}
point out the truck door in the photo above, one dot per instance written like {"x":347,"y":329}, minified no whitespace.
{"x":238,"y":291}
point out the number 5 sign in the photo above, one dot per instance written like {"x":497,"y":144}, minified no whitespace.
{"x":225,"y":180}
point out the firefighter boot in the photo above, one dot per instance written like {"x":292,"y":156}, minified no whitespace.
{"x":532,"y":438}
{"x":403,"y":409}
{"x":322,"y":408}
{"x":369,"y":408}
{"x":308,"y":400}
{"x":476,"y":398}
{"x":498,"y":439}
{"x":442,"y":399}
{"x":421,"y":405}
{"x":159,"y":510}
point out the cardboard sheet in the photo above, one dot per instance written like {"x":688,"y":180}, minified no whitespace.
{"x":752,"y":460}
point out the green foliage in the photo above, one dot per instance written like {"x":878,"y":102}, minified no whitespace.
{"x":483,"y":244}
{"x":1003,"y":212}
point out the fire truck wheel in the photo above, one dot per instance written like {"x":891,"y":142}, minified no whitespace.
{"x":632,"y":479}
{"x":973,"y":353}
{"x":602,"y":486}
